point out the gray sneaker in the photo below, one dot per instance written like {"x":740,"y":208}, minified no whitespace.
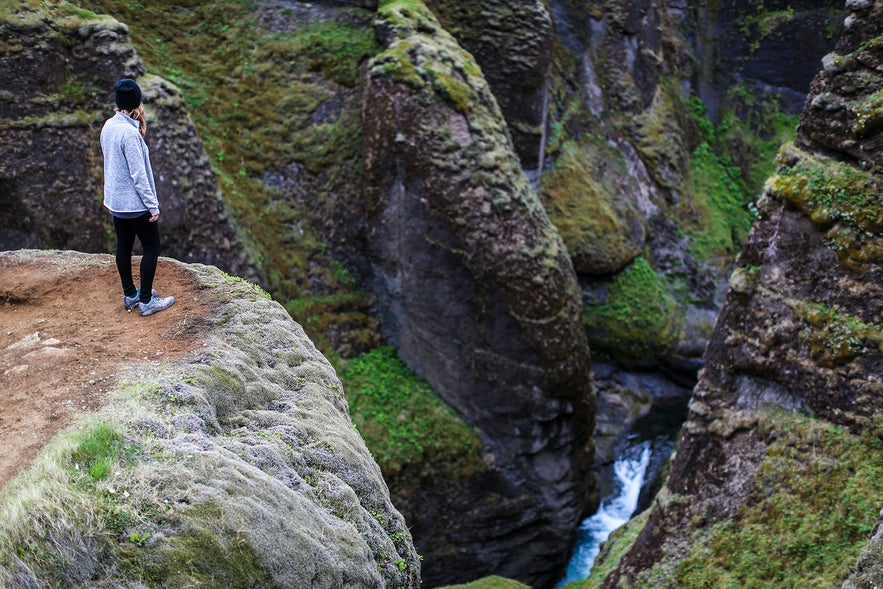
{"x":130,"y":303}
{"x":155,"y":305}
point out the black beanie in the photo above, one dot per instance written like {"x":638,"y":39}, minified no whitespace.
{"x":127,"y":94}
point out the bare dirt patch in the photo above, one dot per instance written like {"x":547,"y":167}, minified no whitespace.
{"x":65,"y":336}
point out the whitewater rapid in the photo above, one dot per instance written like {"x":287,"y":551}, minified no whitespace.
{"x":630,"y":469}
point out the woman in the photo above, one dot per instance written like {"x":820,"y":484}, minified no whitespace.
{"x":130,"y":196}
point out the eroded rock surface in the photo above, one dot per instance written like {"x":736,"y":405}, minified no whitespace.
{"x":477,"y":291}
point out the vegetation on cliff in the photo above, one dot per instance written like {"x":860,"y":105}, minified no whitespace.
{"x":403,"y":421}
{"x":809,"y":513}
{"x":281,"y":127}
{"x":639,"y":319}
{"x":810,"y":509}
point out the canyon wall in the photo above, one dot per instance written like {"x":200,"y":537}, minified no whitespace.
{"x":476,"y":289}
{"x":783,"y":435}
{"x":498,"y":182}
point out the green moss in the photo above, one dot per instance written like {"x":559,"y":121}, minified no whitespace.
{"x":719,"y":220}
{"x":219,"y":379}
{"x":749,"y":134}
{"x":829,"y":191}
{"x":838,"y":197}
{"x":335,"y":49}
{"x":404,"y":423}
{"x":492,"y":582}
{"x":424,"y":55}
{"x":198,"y":558}
{"x":661,"y":133}
{"x":337,"y":313}
{"x":76,"y":93}
{"x":453,"y":90}
{"x":836,"y":338}
{"x":640,"y":319}
{"x":397,"y":64}
{"x":582,"y":207}
{"x":813,"y":505}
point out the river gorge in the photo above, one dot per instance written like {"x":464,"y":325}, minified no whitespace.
{"x":482,"y":275}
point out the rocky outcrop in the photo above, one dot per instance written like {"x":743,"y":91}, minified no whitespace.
{"x":57,"y":68}
{"x":844,"y":116}
{"x":787,"y":409}
{"x":512,"y":42}
{"x":237,"y":466}
{"x":476,"y":289}
{"x":773,"y":48}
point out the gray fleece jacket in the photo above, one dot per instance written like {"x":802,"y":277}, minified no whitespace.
{"x":128,"y":177}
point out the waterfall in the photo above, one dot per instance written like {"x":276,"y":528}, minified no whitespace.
{"x":629,"y":470}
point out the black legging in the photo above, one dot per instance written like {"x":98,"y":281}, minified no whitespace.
{"x":148,"y":235}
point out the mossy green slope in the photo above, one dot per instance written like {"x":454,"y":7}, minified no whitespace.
{"x":403,"y":421}
{"x":808,"y":514}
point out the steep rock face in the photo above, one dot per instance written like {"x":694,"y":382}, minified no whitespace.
{"x":476,"y":289}
{"x":236,"y":467}
{"x":512,"y":42}
{"x":844,"y":116}
{"x":773,"y":47}
{"x":617,"y":179}
{"x":787,"y":408}
{"x":57,"y":68}
{"x":634,"y":166}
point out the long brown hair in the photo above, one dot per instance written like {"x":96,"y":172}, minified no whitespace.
{"x":137,"y":114}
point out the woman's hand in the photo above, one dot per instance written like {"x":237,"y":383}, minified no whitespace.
{"x":153,"y":218}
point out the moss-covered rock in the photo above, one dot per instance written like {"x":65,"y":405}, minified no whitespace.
{"x":476,"y":289}
{"x":493,"y":582}
{"x":639,"y":319}
{"x":512,"y":42}
{"x":601,"y":229}
{"x":237,"y":467}
{"x":781,"y":449}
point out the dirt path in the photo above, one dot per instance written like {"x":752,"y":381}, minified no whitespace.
{"x":64,"y":336}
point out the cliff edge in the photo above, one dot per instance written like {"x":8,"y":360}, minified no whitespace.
{"x":219,"y":452}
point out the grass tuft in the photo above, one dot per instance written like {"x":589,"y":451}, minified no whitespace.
{"x":403,"y":421}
